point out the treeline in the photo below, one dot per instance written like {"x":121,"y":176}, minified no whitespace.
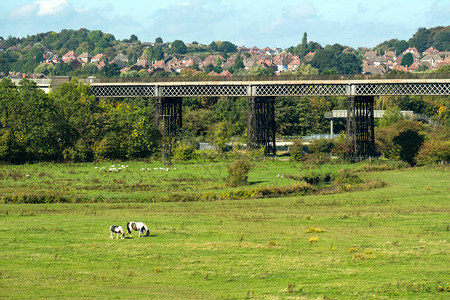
{"x":437,"y":37}
{"x":71,"y":124}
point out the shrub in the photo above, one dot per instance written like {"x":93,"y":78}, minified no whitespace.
{"x":320,"y":147}
{"x":297,"y":151}
{"x":347,"y":176}
{"x":401,"y":140}
{"x":433,"y":152}
{"x":238,"y":172}
{"x":184,"y":152}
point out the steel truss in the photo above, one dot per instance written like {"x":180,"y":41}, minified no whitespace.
{"x":360,"y":126}
{"x":280,"y":88}
{"x":261,"y":124}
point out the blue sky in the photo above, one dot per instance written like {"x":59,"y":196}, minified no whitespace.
{"x":356,"y":23}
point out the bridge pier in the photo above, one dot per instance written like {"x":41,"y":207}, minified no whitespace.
{"x":360,"y":126}
{"x":261,"y":124}
{"x":169,"y":110}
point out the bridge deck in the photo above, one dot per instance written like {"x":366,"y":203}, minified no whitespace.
{"x":274,"y":88}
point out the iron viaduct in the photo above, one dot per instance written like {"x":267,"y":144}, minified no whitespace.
{"x":261,"y":99}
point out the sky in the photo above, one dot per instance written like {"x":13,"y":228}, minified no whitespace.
{"x":261,"y":23}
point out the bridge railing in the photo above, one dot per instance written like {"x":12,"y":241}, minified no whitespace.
{"x":180,"y":78}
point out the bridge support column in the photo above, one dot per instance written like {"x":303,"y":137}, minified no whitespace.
{"x":360,"y":126}
{"x":261,"y":124}
{"x":169,"y":110}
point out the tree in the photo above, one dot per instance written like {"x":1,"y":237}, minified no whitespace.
{"x":110,"y":71}
{"x":407,"y":60}
{"x":420,"y":39}
{"x":222,"y":136}
{"x":159,"y":40}
{"x":390,"y":116}
{"x":213,"y":46}
{"x":259,"y":70}
{"x":227,"y":47}
{"x":133,"y":39}
{"x":178,"y":47}
{"x":306,"y":70}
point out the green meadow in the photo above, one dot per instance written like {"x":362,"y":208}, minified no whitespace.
{"x":386,"y":242}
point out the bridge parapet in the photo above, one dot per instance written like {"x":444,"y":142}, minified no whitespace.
{"x":273,"y":88}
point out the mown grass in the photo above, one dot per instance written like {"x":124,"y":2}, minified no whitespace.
{"x":386,"y":242}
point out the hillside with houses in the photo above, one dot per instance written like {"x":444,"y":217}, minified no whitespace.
{"x":86,"y":53}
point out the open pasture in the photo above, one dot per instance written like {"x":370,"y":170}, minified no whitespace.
{"x":141,"y":181}
{"x":386,"y":242}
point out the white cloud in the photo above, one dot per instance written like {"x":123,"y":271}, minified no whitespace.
{"x":304,"y":10}
{"x":40,"y":8}
{"x":24,"y":11}
{"x":51,"y":7}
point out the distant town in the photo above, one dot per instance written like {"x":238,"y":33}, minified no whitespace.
{"x":101,"y":55}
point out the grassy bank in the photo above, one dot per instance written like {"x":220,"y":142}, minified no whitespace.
{"x":386,"y":242}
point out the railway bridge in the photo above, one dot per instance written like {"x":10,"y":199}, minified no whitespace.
{"x":261,"y":99}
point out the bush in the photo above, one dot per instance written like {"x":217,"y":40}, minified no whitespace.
{"x":297,"y":151}
{"x":184,"y":152}
{"x":346,"y":176}
{"x":401,"y":140}
{"x":434,"y":152}
{"x":238,"y":172}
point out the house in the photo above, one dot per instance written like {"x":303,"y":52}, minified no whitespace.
{"x":97,"y":58}
{"x":242,"y":49}
{"x":268,"y":51}
{"x":121,"y":60}
{"x":254,"y":50}
{"x":85,"y":57}
{"x":2,"y":48}
{"x":249,"y":63}
{"x":375,"y":70}
{"x":69,"y":56}
{"x":226,"y":74}
{"x":309,"y":56}
{"x":400,"y":68}
{"x":414,"y":66}
{"x":415,"y":53}
{"x":371,"y":54}
{"x":281,"y":63}
{"x":430,"y":51}
{"x":294,"y":64}
{"x":432,"y":59}
{"x":379,"y":60}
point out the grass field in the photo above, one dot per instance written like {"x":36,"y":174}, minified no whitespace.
{"x":380,"y":243}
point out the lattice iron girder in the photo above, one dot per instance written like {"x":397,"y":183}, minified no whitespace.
{"x":127,"y":91}
{"x":279,"y":88}
{"x":402,"y":89}
{"x":204,"y":90}
{"x":301,"y":90}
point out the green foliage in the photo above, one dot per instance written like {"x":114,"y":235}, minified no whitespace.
{"x":332,"y":60}
{"x":434,"y":152}
{"x":409,"y":142}
{"x":184,"y":152}
{"x":178,"y":47}
{"x":238,"y":172}
{"x":407,"y":60}
{"x":401,"y":140}
{"x":297,"y":150}
{"x":391,"y":115}
{"x":347,"y":176}
{"x":222,"y":136}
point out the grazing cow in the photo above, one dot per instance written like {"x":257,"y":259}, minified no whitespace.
{"x":118,"y":230}
{"x":138,"y":226}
